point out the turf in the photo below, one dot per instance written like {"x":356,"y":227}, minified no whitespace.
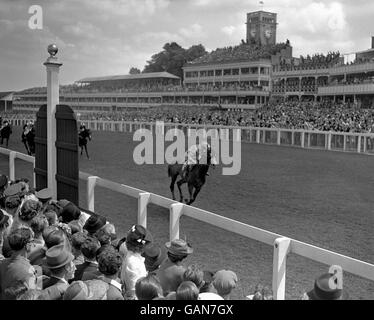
{"x":319,"y":197}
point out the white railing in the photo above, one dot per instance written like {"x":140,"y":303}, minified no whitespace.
{"x":282,"y":246}
{"x":309,"y":139}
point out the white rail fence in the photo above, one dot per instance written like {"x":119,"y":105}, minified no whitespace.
{"x":309,"y":139}
{"x":282,"y":246}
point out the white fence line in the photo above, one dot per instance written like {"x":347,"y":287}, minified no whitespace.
{"x":362,"y":143}
{"x":282,"y":246}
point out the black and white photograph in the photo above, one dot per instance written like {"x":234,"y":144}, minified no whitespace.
{"x":218,"y":150}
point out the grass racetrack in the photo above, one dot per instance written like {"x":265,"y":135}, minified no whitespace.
{"x":319,"y":197}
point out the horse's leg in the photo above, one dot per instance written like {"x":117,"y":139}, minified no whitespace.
{"x":173,"y":179}
{"x":197,"y":190}
{"x":190,"y":191}
{"x":81,"y":150}
{"x":179,"y":183}
{"x":85,"y":148}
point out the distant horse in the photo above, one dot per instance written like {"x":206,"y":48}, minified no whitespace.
{"x":195,"y":179}
{"x":84,"y":134}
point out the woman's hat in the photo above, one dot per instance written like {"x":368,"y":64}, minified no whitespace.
{"x":58,"y":256}
{"x":323,"y":290}
{"x":179,"y":247}
{"x":94,"y":223}
{"x":154,"y":255}
{"x":138,"y":235}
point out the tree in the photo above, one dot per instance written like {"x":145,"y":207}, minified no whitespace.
{"x":172,"y":58}
{"x":134,"y":70}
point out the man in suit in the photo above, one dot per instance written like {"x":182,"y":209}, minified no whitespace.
{"x":60,"y":262}
{"x":17,"y":269}
{"x":89,"y":249}
{"x":6,"y":131}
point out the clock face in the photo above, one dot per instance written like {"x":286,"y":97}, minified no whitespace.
{"x":253,"y":32}
{"x":268,"y":33}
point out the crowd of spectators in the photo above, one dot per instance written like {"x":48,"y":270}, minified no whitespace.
{"x":242,"y":52}
{"x":53,"y":250}
{"x":324,"y":116}
{"x":316,"y":61}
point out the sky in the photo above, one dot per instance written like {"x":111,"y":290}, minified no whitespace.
{"x":108,"y":37}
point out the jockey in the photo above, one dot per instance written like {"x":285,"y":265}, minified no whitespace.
{"x":194,"y":155}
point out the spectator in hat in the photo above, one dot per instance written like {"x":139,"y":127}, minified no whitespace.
{"x":224,"y":282}
{"x":13,"y":196}
{"x":3,"y":185}
{"x":60,"y":262}
{"x":171,"y":270}
{"x":326,"y":287}
{"x":187,"y":290}
{"x":154,"y":255}
{"x":195,"y":274}
{"x":17,"y":268}
{"x":133,"y":266}
{"x":28,"y":210}
{"x":89,"y":249}
{"x":207,"y":291}
{"x":109,"y":266}
{"x":106,"y":234}
{"x":94,"y":223}
{"x":44,"y":196}
{"x":6,"y":131}
{"x":37,"y":252}
{"x":148,"y":288}
{"x":5,"y":226}
{"x":51,"y":216}
{"x":77,"y":239}
{"x":69,"y":213}
{"x":78,"y":290}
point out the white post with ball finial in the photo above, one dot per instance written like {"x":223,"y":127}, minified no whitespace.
{"x":53,"y":99}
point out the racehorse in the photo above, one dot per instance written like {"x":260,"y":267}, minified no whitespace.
{"x":84,"y":134}
{"x":195,"y":179}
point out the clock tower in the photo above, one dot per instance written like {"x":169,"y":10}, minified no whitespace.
{"x":262,"y":27}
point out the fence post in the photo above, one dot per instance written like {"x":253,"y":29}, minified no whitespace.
{"x":344,"y":142}
{"x":329,"y":141}
{"x":12,"y":168}
{"x":91,"y":182}
{"x":308,"y":146}
{"x":278,"y":137}
{"x":263,"y":136}
{"x":257,"y":136}
{"x":142,"y":208}
{"x":175,"y":214}
{"x":292,"y":138}
{"x":365,"y":143}
{"x":359,"y":144}
{"x":281,"y":249}
{"x":303,"y":139}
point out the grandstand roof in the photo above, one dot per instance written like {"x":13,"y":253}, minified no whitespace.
{"x":150,"y":75}
{"x":3,"y":95}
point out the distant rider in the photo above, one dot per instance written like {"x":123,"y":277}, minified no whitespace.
{"x":194,"y":156}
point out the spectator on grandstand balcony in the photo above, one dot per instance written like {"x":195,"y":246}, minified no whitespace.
{"x":133,"y":267}
{"x":328,"y":286}
{"x":59,"y":260}
{"x":171,"y":270}
{"x":89,"y":249}
{"x":17,"y":269}
{"x":187,"y":290}
{"x":148,"y":288}
{"x":224,"y":282}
